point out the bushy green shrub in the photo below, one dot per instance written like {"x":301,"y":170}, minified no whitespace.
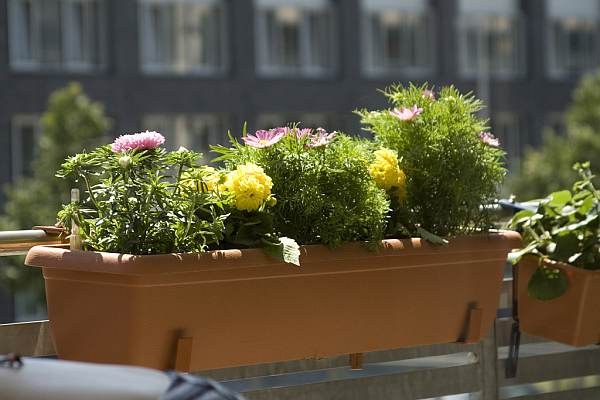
{"x":141,"y":199}
{"x":321,"y":183}
{"x":452,"y":165}
{"x":134,"y":202}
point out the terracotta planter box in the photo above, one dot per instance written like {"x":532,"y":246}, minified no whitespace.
{"x":573,"y":318}
{"x":230,"y":308}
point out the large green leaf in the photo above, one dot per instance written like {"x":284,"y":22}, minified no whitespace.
{"x":520,"y":217}
{"x":287,"y":250}
{"x":547,"y":283}
{"x":567,"y":244}
{"x":430,"y":237}
{"x":559,"y":199}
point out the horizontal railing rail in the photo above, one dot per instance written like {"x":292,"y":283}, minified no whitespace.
{"x":14,"y":243}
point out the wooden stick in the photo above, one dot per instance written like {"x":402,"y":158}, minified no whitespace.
{"x":183,"y":354}
{"x":75,"y":239}
{"x":356,"y":361}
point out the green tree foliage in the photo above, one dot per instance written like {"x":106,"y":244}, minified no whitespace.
{"x":71,"y":123}
{"x":548,"y":168}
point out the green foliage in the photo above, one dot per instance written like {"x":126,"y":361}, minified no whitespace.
{"x":547,"y":283}
{"x":450,"y":171}
{"x":548,"y":168}
{"x":150,"y":201}
{"x":287,"y":250}
{"x":72,"y":122}
{"x":136,"y":204}
{"x":324,"y":194}
{"x":565,"y":228}
{"x":586,"y":98}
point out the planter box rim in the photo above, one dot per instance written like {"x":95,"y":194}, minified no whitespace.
{"x":564,"y":265}
{"x":59,"y":258}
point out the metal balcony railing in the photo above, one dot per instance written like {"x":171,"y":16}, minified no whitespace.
{"x":14,"y":243}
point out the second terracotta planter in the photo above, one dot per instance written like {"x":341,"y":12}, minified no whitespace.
{"x":230,"y":308}
{"x":573,"y":318}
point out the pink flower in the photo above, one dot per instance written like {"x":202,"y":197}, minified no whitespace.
{"x":428,"y":94}
{"x":283,"y":130}
{"x":137,"y":141}
{"x":302,"y":133}
{"x":262,"y":138}
{"x":489,"y":139}
{"x":406,"y":114}
{"x":321,"y":138}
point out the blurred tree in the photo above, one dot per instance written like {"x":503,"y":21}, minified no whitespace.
{"x":71,"y":123}
{"x":548,"y":168}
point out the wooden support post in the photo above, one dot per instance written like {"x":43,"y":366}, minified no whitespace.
{"x":356,"y":361}
{"x":183,"y":354}
{"x":474,"y":326}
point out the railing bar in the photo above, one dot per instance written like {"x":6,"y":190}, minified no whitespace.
{"x":19,"y":242}
{"x":543,"y":349}
{"x":554,"y":386}
{"x":345,"y":373}
{"x":24,"y":235}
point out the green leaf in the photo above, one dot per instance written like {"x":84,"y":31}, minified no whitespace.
{"x":287,"y":250}
{"x":573,"y":227}
{"x":430,"y":237}
{"x":566,"y":244}
{"x":515,"y":256}
{"x":547,"y":283}
{"x":586,"y":205}
{"x":568,"y":210}
{"x":521,"y":217}
{"x":574,"y":257}
{"x":559,"y":199}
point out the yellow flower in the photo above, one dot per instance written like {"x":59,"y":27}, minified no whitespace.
{"x":249,"y":186}
{"x":204,"y":178}
{"x":387,"y":173}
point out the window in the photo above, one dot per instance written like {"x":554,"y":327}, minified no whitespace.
{"x":24,"y":132}
{"x":508,"y":128}
{"x":182,"y":36}
{"x":397,"y":36}
{"x":56,"y":34}
{"x":490,"y":38}
{"x":573,"y":35}
{"x":192,"y":131}
{"x":294,"y":37}
{"x":308,"y":120}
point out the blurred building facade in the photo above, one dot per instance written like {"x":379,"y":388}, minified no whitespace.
{"x":193,"y":69}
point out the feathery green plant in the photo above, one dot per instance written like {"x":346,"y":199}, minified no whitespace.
{"x":452,"y":165}
{"x":324,"y":193}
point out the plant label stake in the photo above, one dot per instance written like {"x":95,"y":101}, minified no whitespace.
{"x":74,"y":239}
